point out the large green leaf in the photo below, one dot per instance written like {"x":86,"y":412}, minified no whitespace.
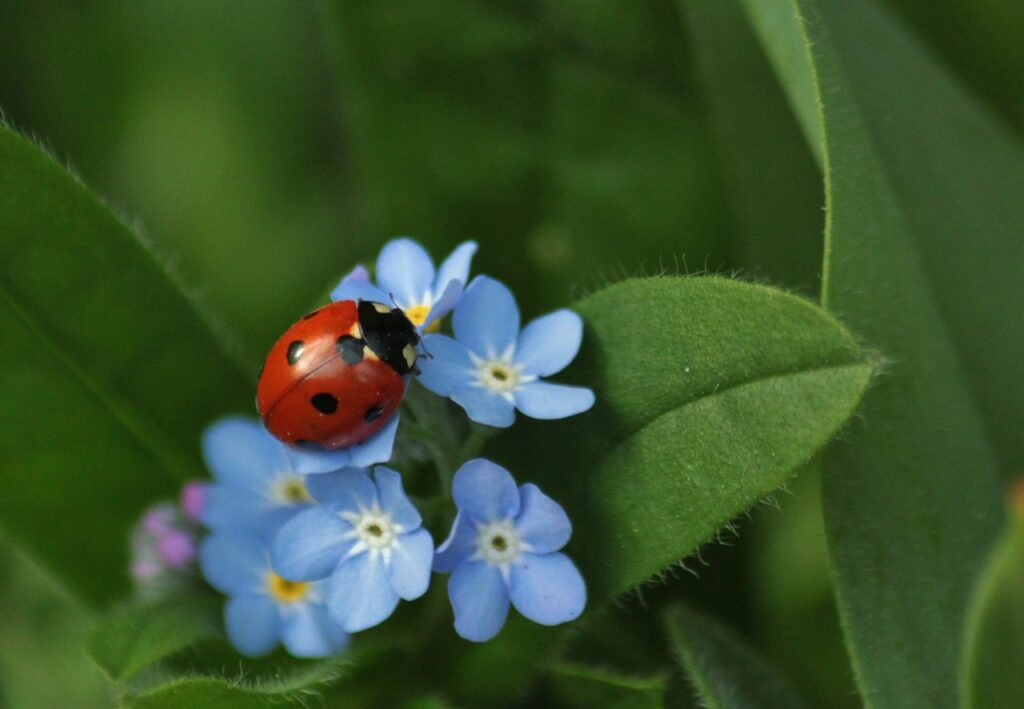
{"x":109,"y":374}
{"x":137,"y":636}
{"x":925,"y":212}
{"x":995,"y":649}
{"x":710,"y":393}
{"x":724,"y":671}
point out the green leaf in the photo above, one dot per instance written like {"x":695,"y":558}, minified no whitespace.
{"x":725,"y":672}
{"x":109,"y":374}
{"x":296,"y":689}
{"x":135,"y":637}
{"x":914,"y":171}
{"x":995,"y":643}
{"x":582,"y":685}
{"x":710,"y":393}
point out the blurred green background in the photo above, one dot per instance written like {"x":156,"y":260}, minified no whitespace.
{"x":265,"y":147}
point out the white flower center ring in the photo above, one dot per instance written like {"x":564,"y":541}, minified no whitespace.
{"x":499,"y":543}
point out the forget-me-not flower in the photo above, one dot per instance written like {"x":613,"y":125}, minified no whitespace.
{"x":263,"y":608}
{"x":406,"y":273}
{"x":504,"y":546}
{"x":367,"y":536}
{"x":255,"y":483}
{"x":491,"y":368}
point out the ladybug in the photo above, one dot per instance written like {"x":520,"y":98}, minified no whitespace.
{"x":337,"y":376}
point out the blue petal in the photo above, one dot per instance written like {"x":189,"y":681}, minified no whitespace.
{"x":307,"y":631}
{"x":344,"y":491}
{"x":308,"y":462}
{"x":411,"y":559}
{"x":455,"y":267}
{"x":377,"y":448}
{"x":252,"y":624}
{"x":447,"y":368}
{"x":547,"y":588}
{"x":233,"y":507}
{"x":479,"y":599}
{"x":485,"y":407}
{"x":542,"y":523}
{"x":361,"y":595}
{"x":460,"y":544}
{"x":486,"y":319}
{"x":541,"y":400}
{"x":234,"y":563}
{"x":359,"y":290}
{"x":239,"y":451}
{"x":548,"y":344}
{"x":443,"y":303}
{"x":405,"y":271}
{"x":485,"y":491}
{"x":393,"y":499}
{"x":311,"y":544}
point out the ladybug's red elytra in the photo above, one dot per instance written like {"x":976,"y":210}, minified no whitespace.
{"x":337,"y":376}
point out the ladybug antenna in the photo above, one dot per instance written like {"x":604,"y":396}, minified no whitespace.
{"x":426,"y":352}
{"x":394,"y":302}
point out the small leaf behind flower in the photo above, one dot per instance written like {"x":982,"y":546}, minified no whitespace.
{"x":724,"y":671}
{"x":710,"y":394}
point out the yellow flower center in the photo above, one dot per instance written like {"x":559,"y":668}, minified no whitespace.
{"x":293,"y":491}
{"x":286,"y":591}
{"x":417,"y":314}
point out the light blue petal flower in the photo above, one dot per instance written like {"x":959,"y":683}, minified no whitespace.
{"x":344,"y":491}
{"x":447,"y":368}
{"x":460,"y":544}
{"x":542,"y":523}
{"x":547,"y":589}
{"x":309,"y":461}
{"x":548,"y":344}
{"x":443,"y":303}
{"x":411,"y":560}
{"x":455,"y":267}
{"x":377,"y":448}
{"x":541,"y":400}
{"x":484,"y":406}
{"x":479,"y":599}
{"x":405,"y":271}
{"x":311,"y":544}
{"x":360,"y":594}
{"x":234,"y":563}
{"x":393,"y":499}
{"x":485,"y":491}
{"x":233,"y":507}
{"x":486,"y":320}
{"x":239,"y":451}
{"x":252,"y":624}
{"x":307,"y":631}
{"x":359,"y":290}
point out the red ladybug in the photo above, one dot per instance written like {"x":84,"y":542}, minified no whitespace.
{"x":337,"y":376}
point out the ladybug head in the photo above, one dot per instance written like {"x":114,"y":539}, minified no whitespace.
{"x":389,"y":334}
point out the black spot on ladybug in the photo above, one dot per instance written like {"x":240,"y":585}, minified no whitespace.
{"x":350,"y":349}
{"x":308,"y":445}
{"x":295,"y":351}
{"x":373,"y":413}
{"x":312,"y":314}
{"x":324,"y":403}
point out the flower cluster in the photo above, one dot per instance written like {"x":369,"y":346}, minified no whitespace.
{"x":311,"y":545}
{"x":163,"y":545}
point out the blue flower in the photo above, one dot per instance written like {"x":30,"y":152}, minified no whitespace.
{"x":367,"y":537}
{"x":406,"y":273}
{"x":256,"y":483}
{"x":264,"y":608}
{"x":504,"y":545}
{"x":375,"y":449}
{"x":491,"y":368}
